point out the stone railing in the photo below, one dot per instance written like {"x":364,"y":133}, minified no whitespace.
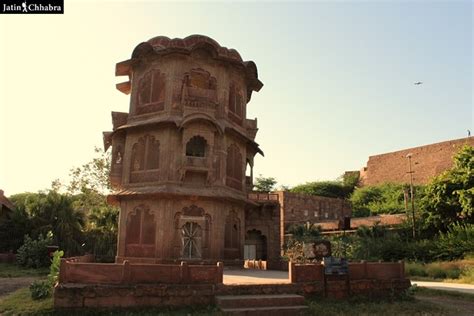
{"x":199,"y":162}
{"x":127,"y":273}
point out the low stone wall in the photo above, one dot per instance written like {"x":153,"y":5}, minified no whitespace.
{"x":132,"y":285}
{"x":357,"y":271}
{"x":7,"y":257}
{"x":373,"y":279}
{"x":68,"y":295}
{"x":129,"y":273}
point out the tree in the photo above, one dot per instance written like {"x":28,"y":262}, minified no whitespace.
{"x":52,"y":211}
{"x":332,"y":189}
{"x":264,"y":184}
{"x":92,"y":176}
{"x":450,"y":196}
{"x":387,"y":198}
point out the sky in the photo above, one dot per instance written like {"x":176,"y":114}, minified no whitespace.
{"x":338,"y":79}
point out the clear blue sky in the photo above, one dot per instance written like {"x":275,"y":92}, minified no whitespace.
{"x":338,"y":79}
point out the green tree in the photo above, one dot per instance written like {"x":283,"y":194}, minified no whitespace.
{"x":387,"y":198}
{"x":450,"y":196}
{"x":264,"y":184}
{"x":333,"y":189}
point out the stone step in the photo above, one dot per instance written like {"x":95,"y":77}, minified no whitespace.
{"x":249,"y":301}
{"x":267,"y":311}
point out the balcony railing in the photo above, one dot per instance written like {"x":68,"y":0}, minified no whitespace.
{"x":198,"y":162}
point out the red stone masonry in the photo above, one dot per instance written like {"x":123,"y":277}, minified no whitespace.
{"x":427,"y":162}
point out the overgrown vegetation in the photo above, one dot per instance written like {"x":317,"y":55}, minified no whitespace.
{"x":77,"y":214}
{"x":387,"y":198}
{"x":34,"y":252}
{"x":41,"y":289}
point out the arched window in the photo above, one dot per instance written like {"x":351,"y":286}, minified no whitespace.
{"x":151,"y":92}
{"x":191,"y":235}
{"x":232,"y":236}
{"x":196,"y":147}
{"x":145,"y":157}
{"x":236,"y":104}
{"x":140,"y":233}
{"x":234,"y":167}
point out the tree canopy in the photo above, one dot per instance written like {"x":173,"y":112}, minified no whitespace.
{"x":450,"y":196}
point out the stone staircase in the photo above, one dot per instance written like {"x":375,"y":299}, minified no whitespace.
{"x":274,"y":305}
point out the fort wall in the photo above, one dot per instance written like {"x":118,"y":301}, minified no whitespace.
{"x":426,"y":162}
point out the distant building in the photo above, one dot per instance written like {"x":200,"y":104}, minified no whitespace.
{"x":6,"y":207}
{"x":427,"y":161}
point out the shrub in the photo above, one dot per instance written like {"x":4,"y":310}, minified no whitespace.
{"x":456,"y":242}
{"x":40,"y":289}
{"x":387,"y":198}
{"x":54,"y":268}
{"x":415,"y":269}
{"x":43,"y":288}
{"x":435,"y":271}
{"x":33,"y":253}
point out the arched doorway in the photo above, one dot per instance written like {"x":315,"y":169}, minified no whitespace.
{"x":255,"y":245}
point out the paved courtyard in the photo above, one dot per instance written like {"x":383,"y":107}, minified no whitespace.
{"x":248,"y":276}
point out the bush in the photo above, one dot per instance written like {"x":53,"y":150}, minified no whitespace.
{"x":387,"y":198}
{"x":435,"y":271}
{"x":415,"y":269}
{"x":43,"y":288}
{"x":456,"y":242}
{"x":34,"y":253}
{"x":40,"y":289}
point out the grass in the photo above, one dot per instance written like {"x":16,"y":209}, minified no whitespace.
{"x":20,"y":303}
{"x":459,"y":271}
{"x":372,"y":307}
{"x":452,"y":294}
{"x":9,"y":270}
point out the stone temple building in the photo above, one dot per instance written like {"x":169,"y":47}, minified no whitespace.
{"x":181,"y":155}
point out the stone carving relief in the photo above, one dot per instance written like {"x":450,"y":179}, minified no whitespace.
{"x":140,"y":237}
{"x":145,"y":160}
{"x":199,"y":89}
{"x":151,"y":92}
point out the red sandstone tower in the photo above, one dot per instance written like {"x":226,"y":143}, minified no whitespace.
{"x":179,"y":156}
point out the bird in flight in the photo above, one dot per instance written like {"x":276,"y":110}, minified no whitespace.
{"x":418,"y":83}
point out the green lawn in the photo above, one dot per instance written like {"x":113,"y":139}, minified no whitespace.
{"x":458,"y":271}
{"x":9,"y":270}
{"x":20,"y":303}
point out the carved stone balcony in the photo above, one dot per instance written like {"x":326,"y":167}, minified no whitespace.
{"x":251,"y":127}
{"x":196,"y":162}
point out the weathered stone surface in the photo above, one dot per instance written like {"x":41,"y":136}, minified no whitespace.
{"x":427,"y":162}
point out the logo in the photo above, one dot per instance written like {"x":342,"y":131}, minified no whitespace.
{"x":32,"y":7}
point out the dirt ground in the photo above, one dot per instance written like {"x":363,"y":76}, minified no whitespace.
{"x":8,"y":285}
{"x":454,"y":306}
